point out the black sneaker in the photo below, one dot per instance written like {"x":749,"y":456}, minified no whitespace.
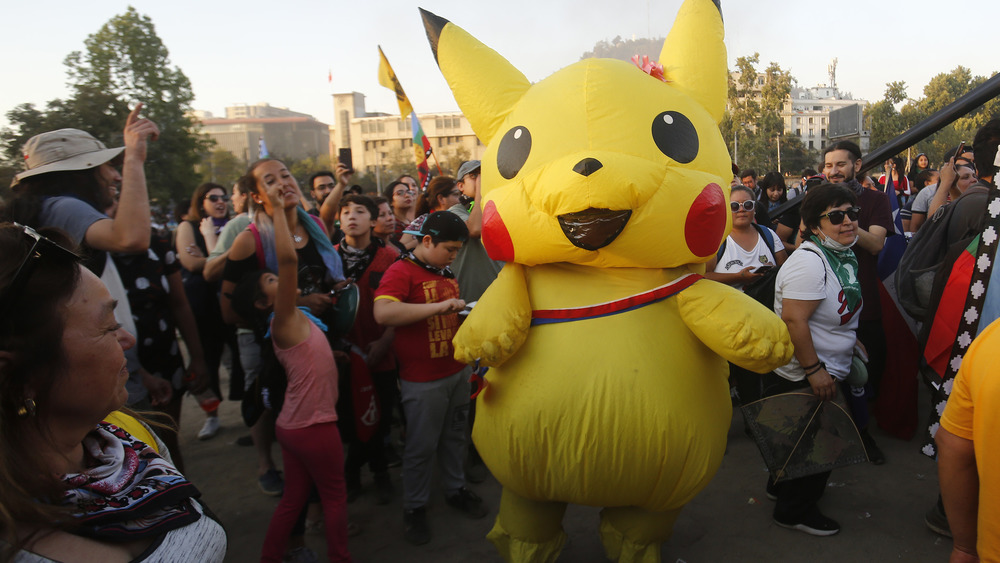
{"x":415,"y":529}
{"x":468,"y":503}
{"x":875,"y":454}
{"x":937,"y":521}
{"x":814,"y":524}
{"x":383,"y":488}
{"x":771,"y":489}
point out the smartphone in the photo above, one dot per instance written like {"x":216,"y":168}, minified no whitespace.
{"x":763,"y":269}
{"x":344,"y":157}
{"x":961,"y":149}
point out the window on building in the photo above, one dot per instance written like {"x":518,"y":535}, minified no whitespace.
{"x":811,"y":144}
{"x":364,"y":127}
{"x":383,"y":143}
{"x":810,"y":121}
{"x":822,"y":132}
{"x":812,"y":132}
{"x":798,"y":132}
{"x":824,"y":121}
{"x":798,"y":121}
{"x":381,"y":127}
{"x":440,"y":143}
{"x":402,"y":144}
{"x":439,"y":123}
{"x":822,"y":144}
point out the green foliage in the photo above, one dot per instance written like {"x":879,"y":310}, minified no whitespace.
{"x":222,"y":167}
{"x":752,"y":122}
{"x":123,"y":62}
{"x":625,"y":49}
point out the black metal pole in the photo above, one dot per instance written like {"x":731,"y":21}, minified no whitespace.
{"x":943,"y":117}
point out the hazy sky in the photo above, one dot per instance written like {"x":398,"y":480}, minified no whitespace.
{"x":253,"y":51}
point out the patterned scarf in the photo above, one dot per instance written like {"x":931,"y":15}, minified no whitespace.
{"x":128,"y":491}
{"x":444,"y":272}
{"x":357,"y":260}
{"x":844,"y":264}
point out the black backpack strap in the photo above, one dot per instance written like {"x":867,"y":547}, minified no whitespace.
{"x":765,"y":234}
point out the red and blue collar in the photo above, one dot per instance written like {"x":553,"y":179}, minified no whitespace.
{"x":550,"y":316}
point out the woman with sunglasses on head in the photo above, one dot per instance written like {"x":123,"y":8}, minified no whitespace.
{"x":442,"y":193}
{"x":195,"y":238}
{"x":402,"y":196}
{"x":745,"y":255}
{"x":74,"y":487}
{"x":818,"y":295}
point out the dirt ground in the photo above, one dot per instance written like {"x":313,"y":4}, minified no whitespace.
{"x":880,"y":510}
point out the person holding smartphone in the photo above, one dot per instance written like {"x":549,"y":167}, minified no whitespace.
{"x":749,"y":250}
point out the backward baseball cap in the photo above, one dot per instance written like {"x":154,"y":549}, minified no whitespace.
{"x":63,"y":150}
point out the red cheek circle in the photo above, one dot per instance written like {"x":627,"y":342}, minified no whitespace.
{"x":496,"y":239}
{"x":706,"y":221}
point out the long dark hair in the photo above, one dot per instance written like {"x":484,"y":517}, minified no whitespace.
{"x":26,"y":205}
{"x":197,"y":208}
{"x":439,"y":187}
{"x":31,"y":332}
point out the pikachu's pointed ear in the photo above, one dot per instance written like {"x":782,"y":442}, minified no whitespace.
{"x":485,"y":85}
{"x":694,"y":55}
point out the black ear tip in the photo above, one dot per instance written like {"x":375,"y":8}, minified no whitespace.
{"x":433,"y":24}
{"x":718,"y":4}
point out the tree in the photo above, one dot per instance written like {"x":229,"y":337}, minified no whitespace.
{"x":222,"y":167}
{"x":625,"y":49}
{"x":124,"y":62}
{"x":752,"y":122}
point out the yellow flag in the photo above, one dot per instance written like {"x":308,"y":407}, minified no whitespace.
{"x":387,"y":78}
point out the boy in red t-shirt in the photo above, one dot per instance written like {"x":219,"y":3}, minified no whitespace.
{"x":418,"y":296}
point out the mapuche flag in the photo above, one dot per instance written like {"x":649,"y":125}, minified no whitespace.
{"x":421,"y":145}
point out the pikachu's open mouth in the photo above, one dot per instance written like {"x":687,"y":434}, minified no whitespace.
{"x":592,"y":229}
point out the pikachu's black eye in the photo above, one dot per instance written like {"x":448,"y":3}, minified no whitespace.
{"x":675,"y":136}
{"x":513,"y":151}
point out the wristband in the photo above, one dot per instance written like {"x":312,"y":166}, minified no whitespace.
{"x":807,"y":368}
{"x":815,"y":371}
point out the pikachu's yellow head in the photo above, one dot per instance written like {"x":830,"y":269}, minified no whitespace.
{"x":600,"y":164}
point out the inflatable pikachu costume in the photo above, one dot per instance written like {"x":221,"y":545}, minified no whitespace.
{"x":605,"y":190}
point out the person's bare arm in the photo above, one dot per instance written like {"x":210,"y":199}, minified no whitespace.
{"x":188,"y":252}
{"x":475,"y":220}
{"x":873,"y":239}
{"x":289,"y":326}
{"x":129,"y":231}
{"x":184,"y":320}
{"x":243,"y":247}
{"x":396,"y":313}
{"x":946,"y":187}
{"x":214,"y":266}
{"x":331,"y":205}
{"x":916,"y":220}
{"x":959,"y":482}
{"x":784,"y":232}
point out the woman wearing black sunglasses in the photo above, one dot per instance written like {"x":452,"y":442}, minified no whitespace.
{"x":74,"y":486}
{"x":195,"y":238}
{"x":750,"y":250}
{"x":818,"y":295}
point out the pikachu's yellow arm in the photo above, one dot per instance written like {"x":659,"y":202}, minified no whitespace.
{"x":735,"y":326}
{"x":499,"y":323}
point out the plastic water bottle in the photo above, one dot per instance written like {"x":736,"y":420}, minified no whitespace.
{"x":207,"y":399}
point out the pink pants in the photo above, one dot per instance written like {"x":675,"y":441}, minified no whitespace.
{"x":312,"y":456}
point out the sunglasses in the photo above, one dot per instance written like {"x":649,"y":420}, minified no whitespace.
{"x":837,"y":216}
{"x":747,"y":205}
{"x":217,"y":198}
{"x":42,"y":247}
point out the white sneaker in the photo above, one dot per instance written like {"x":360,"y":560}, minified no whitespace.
{"x":209,"y":429}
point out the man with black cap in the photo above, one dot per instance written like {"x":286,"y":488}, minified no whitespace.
{"x":70,"y":179}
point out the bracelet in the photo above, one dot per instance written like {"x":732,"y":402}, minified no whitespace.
{"x":807,"y":368}
{"x":815,"y":371}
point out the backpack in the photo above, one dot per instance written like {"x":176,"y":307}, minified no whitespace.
{"x":928,"y":256}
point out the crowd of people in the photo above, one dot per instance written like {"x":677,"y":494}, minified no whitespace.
{"x":334,"y":314}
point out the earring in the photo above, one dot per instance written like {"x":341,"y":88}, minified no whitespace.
{"x":27,"y":408}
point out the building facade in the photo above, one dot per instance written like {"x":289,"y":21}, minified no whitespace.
{"x":287,"y":134}
{"x":381,"y":142}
